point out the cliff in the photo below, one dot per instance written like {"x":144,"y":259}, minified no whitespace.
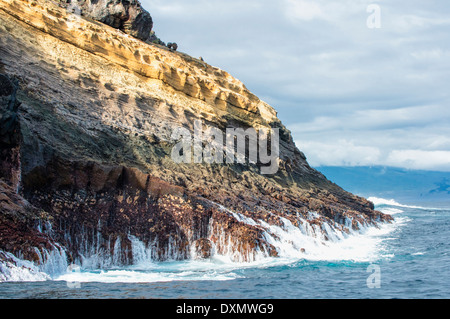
{"x":87,"y":115}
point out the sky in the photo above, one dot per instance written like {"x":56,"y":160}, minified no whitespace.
{"x":358,"y":83}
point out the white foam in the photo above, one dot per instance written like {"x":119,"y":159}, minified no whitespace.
{"x":132,"y":276}
{"x":16,"y":269}
{"x":51,"y":263}
{"x":391,"y":210}
{"x":377,"y":201}
{"x":364,"y":245}
{"x":420,"y":253}
{"x":330,"y":242}
{"x":149,"y":272}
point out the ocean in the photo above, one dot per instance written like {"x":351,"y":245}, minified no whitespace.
{"x":409,"y":258}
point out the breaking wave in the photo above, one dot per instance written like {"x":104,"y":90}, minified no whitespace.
{"x":386,"y":203}
{"x":305,"y":240}
{"x":50,"y":263}
{"x":327,"y":242}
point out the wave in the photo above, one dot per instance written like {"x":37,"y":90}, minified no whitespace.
{"x":51,"y":263}
{"x":377,"y":201}
{"x":16,"y":269}
{"x":129,"y":275}
{"x":382,"y":202}
{"x":292,"y":244}
{"x":328,"y":242}
{"x":390,"y":210}
{"x":304,"y":240}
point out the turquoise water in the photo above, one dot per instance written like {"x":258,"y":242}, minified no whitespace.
{"x":409,"y":259}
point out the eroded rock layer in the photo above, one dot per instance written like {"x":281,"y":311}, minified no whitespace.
{"x":86,"y":156}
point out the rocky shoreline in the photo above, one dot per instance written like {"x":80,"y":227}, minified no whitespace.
{"x":87,"y":112}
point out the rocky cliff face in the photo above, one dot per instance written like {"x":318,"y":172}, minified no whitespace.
{"x":125,"y":15}
{"x":87,"y":113}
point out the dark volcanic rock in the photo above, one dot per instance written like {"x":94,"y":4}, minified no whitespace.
{"x":9,"y":131}
{"x":202,"y":248}
{"x":18,"y":232}
{"x":125,"y":15}
{"x":9,"y":105}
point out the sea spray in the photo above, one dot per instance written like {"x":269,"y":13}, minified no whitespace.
{"x":308,"y":240}
{"x":52,"y":263}
{"x":305,"y":239}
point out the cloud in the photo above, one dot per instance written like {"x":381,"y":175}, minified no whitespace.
{"x":346,"y":153}
{"x":354,"y":119}
{"x":341,"y":152}
{"x":420,"y":159}
{"x":304,"y":10}
{"x":366,"y":96}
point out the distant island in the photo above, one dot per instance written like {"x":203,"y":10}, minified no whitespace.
{"x":391,"y":182}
